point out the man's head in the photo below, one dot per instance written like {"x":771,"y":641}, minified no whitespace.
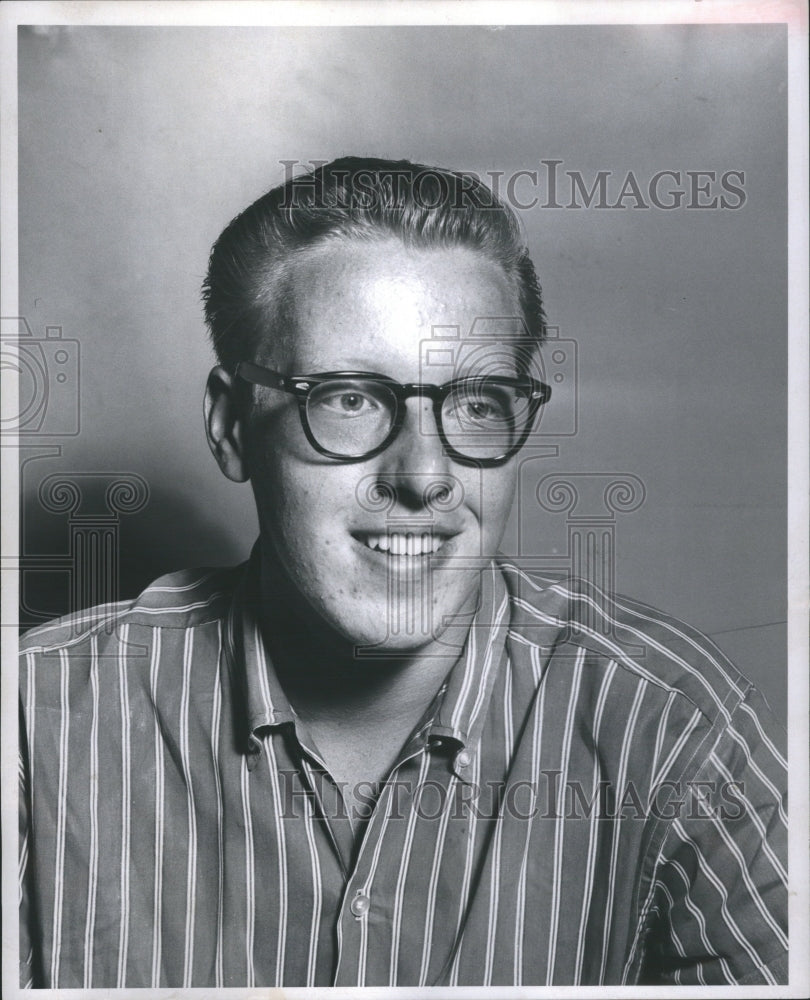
{"x":378,"y":505}
{"x":352,"y":198}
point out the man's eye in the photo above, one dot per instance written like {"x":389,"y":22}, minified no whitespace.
{"x":484,"y":408}
{"x":349,"y":404}
{"x":481,"y":409}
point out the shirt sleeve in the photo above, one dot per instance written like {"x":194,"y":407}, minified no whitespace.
{"x":719,"y":910}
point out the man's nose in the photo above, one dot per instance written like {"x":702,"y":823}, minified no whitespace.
{"x":415,"y":466}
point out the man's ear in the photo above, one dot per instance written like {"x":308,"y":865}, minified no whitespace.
{"x":225,"y":425}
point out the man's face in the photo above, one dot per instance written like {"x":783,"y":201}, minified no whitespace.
{"x":368,"y":307}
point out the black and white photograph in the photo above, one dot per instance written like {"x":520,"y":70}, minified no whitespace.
{"x":405,"y":498}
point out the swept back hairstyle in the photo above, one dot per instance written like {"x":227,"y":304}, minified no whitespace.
{"x":359,"y":198}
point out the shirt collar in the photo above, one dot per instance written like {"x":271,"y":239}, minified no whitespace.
{"x":459,"y":709}
{"x":263,"y":699}
{"x":468,"y":688}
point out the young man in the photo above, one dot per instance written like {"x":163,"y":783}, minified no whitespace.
{"x":376,"y":754}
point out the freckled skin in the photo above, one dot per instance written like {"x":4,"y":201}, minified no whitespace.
{"x":367,"y":306}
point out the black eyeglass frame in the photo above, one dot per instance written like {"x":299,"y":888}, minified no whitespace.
{"x":301,"y":386}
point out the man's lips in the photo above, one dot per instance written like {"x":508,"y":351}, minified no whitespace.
{"x":404,"y":543}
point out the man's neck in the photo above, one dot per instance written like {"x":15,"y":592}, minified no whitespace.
{"x":324,"y":675}
{"x":359,"y":710}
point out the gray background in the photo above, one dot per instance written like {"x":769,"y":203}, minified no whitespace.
{"x":137,"y":145}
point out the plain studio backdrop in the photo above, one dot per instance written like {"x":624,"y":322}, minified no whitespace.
{"x":138,"y":145}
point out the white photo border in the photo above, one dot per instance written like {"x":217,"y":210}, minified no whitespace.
{"x":793,"y":13}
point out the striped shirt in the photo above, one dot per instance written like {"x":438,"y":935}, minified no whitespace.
{"x":595,"y":796}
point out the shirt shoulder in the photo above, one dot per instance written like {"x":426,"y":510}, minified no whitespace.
{"x":656,"y":648}
{"x":179,"y":600}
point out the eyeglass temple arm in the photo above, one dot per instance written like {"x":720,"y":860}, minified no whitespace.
{"x":261,"y":376}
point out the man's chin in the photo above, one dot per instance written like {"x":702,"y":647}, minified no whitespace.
{"x":404,"y":631}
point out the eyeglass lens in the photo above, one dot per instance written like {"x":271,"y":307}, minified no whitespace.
{"x":352,"y":417}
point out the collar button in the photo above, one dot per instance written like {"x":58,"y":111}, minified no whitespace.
{"x":360,"y":905}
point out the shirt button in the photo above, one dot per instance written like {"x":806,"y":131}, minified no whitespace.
{"x":463,"y":759}
{"x":360,"y":905}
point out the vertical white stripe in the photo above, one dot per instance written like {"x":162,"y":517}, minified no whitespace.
{"x":216,"y":711}
{"x":277,"y":809}
{"x":466,"y":684}
{"x":467,"y":877}
{"x":23,"y":859}
{"x":123,"y":693}
{"x":61,"y":808}
{"x":92,"y":875}
{"x":509,"y":745}
{"x":339,"y":950}
{"x":559,"y":822}
{"x":520,"y":910}
{"x":317,"y":884}
{"x":614,"y":848}
{"x":28,"y":785}
{"x":495,"y":871}
{"x":590,"y":863}
{"x":383,"y":806}
{"x":433,"y":883}
{"x":250,"y":881}
{"x":191,"y":858}
{"x":399,"y":891}
{"x":672,"y":756}
{"x":157,"y":896}
{"x":494,"y":893}
{"x":534,"y":656}
{"x":488,"y":657}
{"x":264,"y":686}
{"x":281,"y":859}
{"x":659,"y":735}
{"x":30,"y":721}
{"x":508,"y":716}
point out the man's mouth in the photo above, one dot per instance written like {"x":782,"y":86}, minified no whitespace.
{"x":404,"y":543}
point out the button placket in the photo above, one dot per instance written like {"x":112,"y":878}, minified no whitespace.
{"x":356,"y":903}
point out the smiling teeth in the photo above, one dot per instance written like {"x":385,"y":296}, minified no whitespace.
{"x":397,"y":544}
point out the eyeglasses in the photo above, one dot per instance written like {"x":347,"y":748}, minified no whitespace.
{"x":351,"y":416}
